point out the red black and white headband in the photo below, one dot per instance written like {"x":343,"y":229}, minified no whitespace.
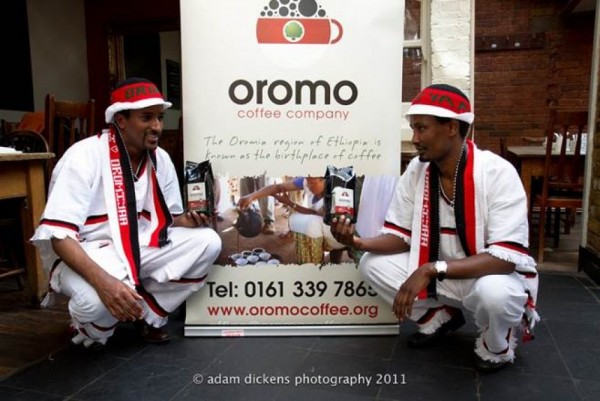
{"x":441,"y":103}
{"x":133,"y":97}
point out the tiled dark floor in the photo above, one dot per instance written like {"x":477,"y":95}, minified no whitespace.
{"x":562,"y":363}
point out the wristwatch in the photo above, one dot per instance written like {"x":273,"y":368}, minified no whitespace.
{"x":441,"y":268}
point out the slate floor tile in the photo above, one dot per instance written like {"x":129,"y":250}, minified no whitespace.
{"x":375,"y":347}
{"x":194,"y":352}
{"x":589,"y":390}
{"x":548,"y":280}
{"x":575,"y":312}
{"x":430,"y":382}
{"x":325,"y":371}
{"x":260,"y":366}
{"x":507,"y":386}
{"x":138,"y":381}
{"x":9,"y":394}
{"x":66,"y":372}
{"x":579,"y":346}
{"x":552,"y":296}
{"x":308,"y":393}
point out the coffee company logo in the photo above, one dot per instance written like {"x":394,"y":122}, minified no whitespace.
{"x":296,"y":22}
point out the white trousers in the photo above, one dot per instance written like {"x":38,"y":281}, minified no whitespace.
{"x":169,"y":276}
{"x":496,"y":301}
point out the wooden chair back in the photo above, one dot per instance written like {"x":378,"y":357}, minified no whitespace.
{"x":26,"y":141}
{"x":562,"y":186}
{"x":67,"y":122}
{"x":563,"y":167}
{"x":7,"y":126}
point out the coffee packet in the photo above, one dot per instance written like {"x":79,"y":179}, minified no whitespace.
{"x":199,"y":187}
{"x":340,"y":197}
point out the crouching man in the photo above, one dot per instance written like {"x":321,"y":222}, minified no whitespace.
{"x":455,"y":236}
{"x":114,"y":237}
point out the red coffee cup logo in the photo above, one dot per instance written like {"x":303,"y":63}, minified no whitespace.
{"x":297,"y":22}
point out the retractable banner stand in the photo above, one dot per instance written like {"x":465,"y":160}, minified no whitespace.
{"x":276,"y":90}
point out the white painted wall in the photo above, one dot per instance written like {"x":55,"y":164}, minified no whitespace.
{"x":451,"y":43}
{"x":58,"y":52}
{"x":170,"y":48}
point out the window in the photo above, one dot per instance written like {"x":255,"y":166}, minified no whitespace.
{"x":415,"y":69}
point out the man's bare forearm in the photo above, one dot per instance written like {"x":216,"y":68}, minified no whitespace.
{"x":383,"y":244}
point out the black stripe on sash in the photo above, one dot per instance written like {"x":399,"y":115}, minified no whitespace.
{"x":459,"y":202}
{"x":163,"y":238}
{"x":133,"y":239}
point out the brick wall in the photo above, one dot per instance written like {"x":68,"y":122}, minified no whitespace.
{"x":515,"y":87}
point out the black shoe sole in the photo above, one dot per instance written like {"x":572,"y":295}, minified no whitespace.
{"x":420,"y":340}
{"x":483,"y":366}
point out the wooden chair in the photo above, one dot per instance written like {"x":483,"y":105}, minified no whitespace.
{"x":533,"y":140}
{"x":563,"y":173}
{"x":65,"y":123}
{"x":26,"y":141}
{"x":11,"y":265}
{"x":7,"y":126}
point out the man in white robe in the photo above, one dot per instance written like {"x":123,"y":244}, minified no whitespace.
{"x":114,"y":237}
{"x":455,"y":236}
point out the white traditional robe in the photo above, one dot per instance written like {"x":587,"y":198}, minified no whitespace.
{"x":491,"y":208}
{"x":133,"y":242}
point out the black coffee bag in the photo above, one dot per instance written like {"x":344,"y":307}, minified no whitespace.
{"x":340,"y":194}
{"x":199,"y":190}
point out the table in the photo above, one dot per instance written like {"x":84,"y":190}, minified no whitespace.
{"x":22,"y":176}
{"x":531,"y":160}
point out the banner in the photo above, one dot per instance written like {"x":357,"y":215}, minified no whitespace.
{"x":287,"y":87}
{"x":255,"y":299}
{"x":275,"y":91}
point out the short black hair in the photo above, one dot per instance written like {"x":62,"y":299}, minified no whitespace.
{"x":463,"y":126}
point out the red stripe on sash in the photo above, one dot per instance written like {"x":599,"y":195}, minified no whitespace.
{"x":469,"y":200}
{"x":121,"y":203}
{"x":424,"y":240}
